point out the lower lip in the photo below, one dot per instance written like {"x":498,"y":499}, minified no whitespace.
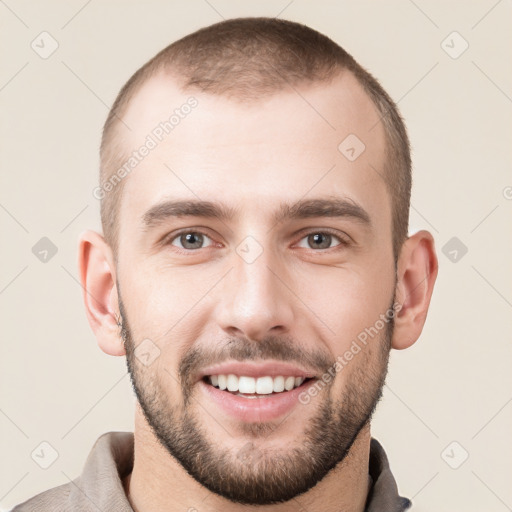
{"x":255,"y":410}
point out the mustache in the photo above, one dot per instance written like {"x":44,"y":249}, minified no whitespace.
{"x":281,"y":348}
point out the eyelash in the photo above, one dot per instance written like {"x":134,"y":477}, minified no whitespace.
{"x":343,"y":239}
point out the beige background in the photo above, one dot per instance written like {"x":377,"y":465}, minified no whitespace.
{"x":453,"y":385}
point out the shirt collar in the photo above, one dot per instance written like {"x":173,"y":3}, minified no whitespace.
{"x":100,"y":486}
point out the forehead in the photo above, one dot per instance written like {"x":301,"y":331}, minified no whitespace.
{"x":311,"y":139}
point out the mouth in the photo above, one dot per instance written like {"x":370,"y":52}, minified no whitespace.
{"x":255,"y":387}
{"x":254,"y":392}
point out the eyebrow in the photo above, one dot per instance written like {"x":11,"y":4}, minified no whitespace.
{"x":302,"y":209}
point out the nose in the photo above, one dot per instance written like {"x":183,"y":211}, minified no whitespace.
{"x":255,"y":300}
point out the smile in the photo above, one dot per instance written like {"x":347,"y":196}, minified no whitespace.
{"x":254,"y":387}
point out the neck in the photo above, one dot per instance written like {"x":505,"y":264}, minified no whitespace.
{"x":158,"y":481}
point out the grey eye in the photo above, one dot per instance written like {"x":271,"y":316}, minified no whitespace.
{"x":190,"y":240}
{"x":319,"y":240}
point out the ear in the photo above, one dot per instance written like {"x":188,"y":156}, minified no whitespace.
{"x":97,"y":275}
{"x":416,"y":275}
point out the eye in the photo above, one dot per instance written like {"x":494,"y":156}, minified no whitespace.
{"x":190,"y":240}
{"x":322,"y":240}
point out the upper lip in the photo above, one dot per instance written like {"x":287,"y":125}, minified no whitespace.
{"x":253,"y":369}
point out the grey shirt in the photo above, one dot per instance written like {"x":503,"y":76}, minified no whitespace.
{"x":100,"y":486}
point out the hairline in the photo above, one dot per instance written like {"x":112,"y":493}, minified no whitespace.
{"x":382,"y":103}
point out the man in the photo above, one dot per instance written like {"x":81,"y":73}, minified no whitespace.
{"x":256,"y":270}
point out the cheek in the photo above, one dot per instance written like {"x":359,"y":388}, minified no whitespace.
{"x":168,"y":305}
{"x":347,"y":301}
{"x":155,"y":294}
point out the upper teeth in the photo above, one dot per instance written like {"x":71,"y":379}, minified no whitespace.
{"x":260,"y":385}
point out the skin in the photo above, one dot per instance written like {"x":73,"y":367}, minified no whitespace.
{"x":254,"y":157}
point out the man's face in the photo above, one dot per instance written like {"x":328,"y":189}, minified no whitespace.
{"x":257,"y":295}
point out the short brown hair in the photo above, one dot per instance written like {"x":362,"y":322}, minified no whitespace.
{"x":246,"y":59}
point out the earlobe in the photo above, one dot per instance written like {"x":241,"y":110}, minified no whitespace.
{"x":97,"y":275}
{"x":416,"y":275}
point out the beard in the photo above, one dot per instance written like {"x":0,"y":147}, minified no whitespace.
{"x":253,"y":474}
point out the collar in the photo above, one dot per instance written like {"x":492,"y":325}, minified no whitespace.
{"x":100,"y":486}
